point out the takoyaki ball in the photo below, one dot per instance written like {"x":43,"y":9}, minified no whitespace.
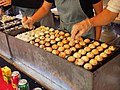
{"x":60,"y":44}
{"x":69,"y":38}
{"x":61,"y":49}
{"x":65,"y":41}
{"x":92,"y":46}
{"x":68,"y":51}
{"x":112,"y":48}
{"x":104,"y":55}
{"x":42,"y":42}
{"x":52,"y":41}
{"x":61,"y":33}
{"x":57,"y":39}
{"x":87,"y":49}
{"x":85,"y":58}
{"x":79,"y":62}
{"x":93,"y":62}
{"x":51,"y":29}
{"x":82,"y":43}
{"x":107,"y":51}
{"x":90,"y":55}
{"x":47,"y":39}
{"x":104,"y":45}
{"x":37,"y":40}
{"x":99,"y":48}
{"x":36,"y":44}
{"x":55,"y":46}
{"x":42,"y":37}
{"x":52,"y":37}
{"x":56,"y":52}
{"x":88,"y":66}
{"x":77,"y":55}
{"x":77,"y":41}
{"x":67,"y":34}
{"x":82,"y":51}
{"x":95,"y":51}
{"x":71,"y":43}
{"x":96,"y":43}
{"x":47,"y":44}
{"x":47,"y":35}
{"x":32,"y":42}
{"x":78,"y":46}
{"x":62,"y":54}
{"x":87,"y":40}
{"x":73,"y":49}
{"x":71,"y":59}
{"x":81,"y":39}
{"x":57,"y":35}
{"x":57,"y":31}
{"x":66,"y":46}
{"x":99,"y":58}
{"x":49,"y":49}
{"x":41,"y":33}
{"x":52,"y":33}
{"x":61,"y":37}
{"x":42,"y":46}
{"x":47,"y":32}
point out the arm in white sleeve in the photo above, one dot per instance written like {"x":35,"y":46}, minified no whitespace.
{"x":114,"y":6}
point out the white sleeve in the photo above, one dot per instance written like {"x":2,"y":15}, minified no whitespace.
{"x":114,"y":6}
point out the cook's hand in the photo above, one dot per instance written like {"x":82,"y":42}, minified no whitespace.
{"x":27,"y":22}
{"x":80,"y":28}
{"x":5,"y":2}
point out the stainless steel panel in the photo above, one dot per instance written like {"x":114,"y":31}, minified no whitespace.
{"x":108,"y":76}
{"x":4,"y":48}
{"x":63,"y":73}
{"x":21,"y":51}
{"x":54,"y":68}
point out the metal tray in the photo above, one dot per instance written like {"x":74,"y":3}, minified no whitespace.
{"x":60,"y":74}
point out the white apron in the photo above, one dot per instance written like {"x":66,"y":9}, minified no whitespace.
{"x":70,"y":13}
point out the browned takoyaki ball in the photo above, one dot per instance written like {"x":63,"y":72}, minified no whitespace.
{"x":49,"y":49}
{"x":93,"y":62}
{"x":104,"y":45}
{"x":88,"y":66}
{"x":82,"y":51}
{"x":112,"y":48}
{"x":99,"y":48}
{"x":87,"y":40}
{"x":56,"y":52}
{"x":60,"y":44}
{"x":77,"y":55}
{"x":71,"y":59}
{"x":68,"y":51}
{"x":62,"y":54}
{"x":52,"y":41}
{"x":99,"y":58}
{"x":79,"y":62}
{"x":61,"y":49}
{"x":55,"y":46}
{"x":104,"y":55}
{"x":85,"y":58}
